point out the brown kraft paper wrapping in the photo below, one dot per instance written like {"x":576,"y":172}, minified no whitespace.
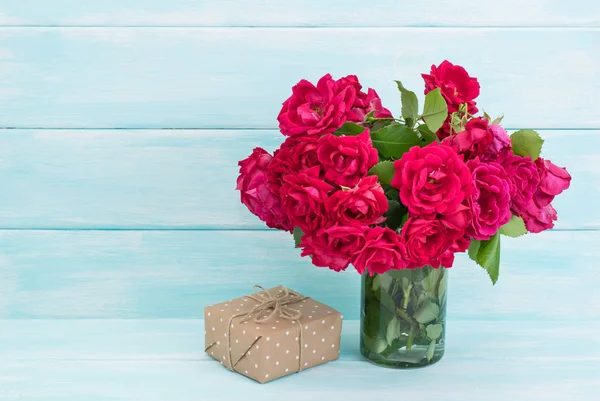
{"x":272,"y":334}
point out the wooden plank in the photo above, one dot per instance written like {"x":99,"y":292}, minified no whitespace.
{"x":493,"y":361}
{"x":238,"y":77}
{"x":174,"y":274}
{"x":385,"y":13}
{"x":183,"y":340}
{"x":186,"y":179}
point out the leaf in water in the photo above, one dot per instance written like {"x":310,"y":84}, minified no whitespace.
{"x":410,"y":104}
{"x":442,"y":289}
{"x":376,"y":282}
{"x":384,"y":171}
{"x":432,"y":278}
{"x":376,"y":345}
{"x":386,"y":282}
{"x":434,"y":331}
{"x":393,"y":330}
{"x":394,"y":140}
{"x":527,"y":142}
{"x":388,"y":302}
{"x":514,"y":228}
{"x":428,"y":312}
{"x":400,"y":274}
{"x":297,"y":236}
{"x":435,"y":110}
{"x":430,"y":350}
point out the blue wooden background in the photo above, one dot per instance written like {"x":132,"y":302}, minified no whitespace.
{"x":121,"y":123}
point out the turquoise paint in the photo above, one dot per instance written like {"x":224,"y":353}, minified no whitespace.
{"x":159,"y":360}
{"x":158,"y":179}
{"x":174,"y":274}
{"x":110,"y":247}
{"x":336,"y":13}
{"x":238,"y":77}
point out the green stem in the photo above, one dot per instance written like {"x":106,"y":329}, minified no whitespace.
{"x":411,"y":336}
{"x":407,"y":296}
{"x":402,"y":314}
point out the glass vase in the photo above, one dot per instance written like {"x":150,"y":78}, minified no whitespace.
{"x":403,"y":317}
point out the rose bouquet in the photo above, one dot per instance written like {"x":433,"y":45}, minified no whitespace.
{"x":397,"y":197}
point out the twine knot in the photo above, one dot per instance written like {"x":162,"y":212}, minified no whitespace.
{"x":270,"y":305}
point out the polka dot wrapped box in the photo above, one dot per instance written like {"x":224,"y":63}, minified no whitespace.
{"x":272,"y":333}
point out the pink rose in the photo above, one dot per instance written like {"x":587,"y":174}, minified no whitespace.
{"x":305,"y":200}
{"x":334,"y":247}
{"x":553,"y":180}
{"x":456,"y":85}
{"x":538,"y":219}
{"x":500,"y":144}
{"x":295,"y":155}
{"x":432,"y":180}
{"x":364,"y":103}
{"x":524,"y":177}
{"x":346,"y":159}
{"x":490,"y":203}
{"x":426,"y":242}
{"x":255,"y":193}
{"x":381,"y":252}
{"x":316,"y":110}
{"x":364,"y":204}
{"x":473,"y":141}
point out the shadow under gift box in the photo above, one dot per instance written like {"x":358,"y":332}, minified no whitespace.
{"x":277,"y":347}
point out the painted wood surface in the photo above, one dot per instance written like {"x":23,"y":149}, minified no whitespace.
{"x":335,"y":13}
{"x":115,"y":235}
{"x":186,"y":179}
{"x":163,"y":360}
{"x":174,"y":274}
{"x":238,"y":77}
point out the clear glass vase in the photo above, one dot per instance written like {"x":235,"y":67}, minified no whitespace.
{"x":403,"y":317}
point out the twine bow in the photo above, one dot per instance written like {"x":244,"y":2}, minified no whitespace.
{"x":269,"y":306}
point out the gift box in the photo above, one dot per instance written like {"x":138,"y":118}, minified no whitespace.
{"x":272,"y":333}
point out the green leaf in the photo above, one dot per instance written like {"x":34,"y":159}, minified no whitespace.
{"x":428,"y":312}
{"x":372,"y":318}
{"x":488,"y":256}
{"x":410,"y":104}
{"x":428,"y":135}
{"x":391,"y":193}
{"x":474,"y":249}
{"x":430,"y":350}
{"x":514,"y":228}
{"x":349,"y":129}
{"x":434,"y":331}
{"x":431,"y":279}
{"x":394,"y":214}
{"x":297,"y":236}
{"x":384,"y":170}
{"x":487,"y":116}
{"x":393,"y":330}
{"x":400,"y":274}
{"x":376,"y":345}
{"x":442,"y":288}
{"x":435,"y":110}
{"x":394,"y":140}
{"x":377,"y":282}
{"x":527,"y":142}
{"x":388,"y":302}
{"x":497,"y":120}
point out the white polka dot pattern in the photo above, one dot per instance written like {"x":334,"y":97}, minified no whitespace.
{"x":288,"y":346}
